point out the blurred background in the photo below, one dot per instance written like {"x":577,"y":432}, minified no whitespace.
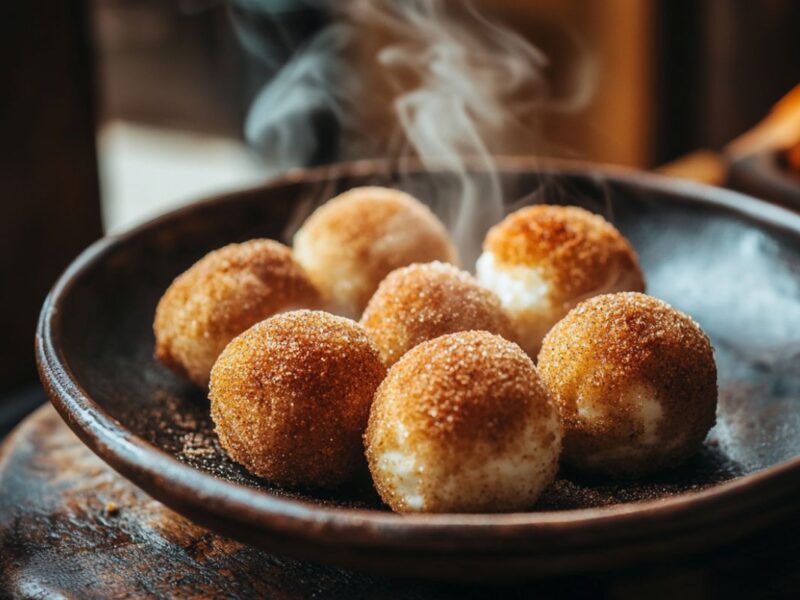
{"x":116,"y":110}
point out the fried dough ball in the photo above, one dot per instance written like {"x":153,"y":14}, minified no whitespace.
{"x":290,"y":397}
{"x":424,"y":301}
{"x":542,"y":260}
{"x":352,"y":242}
{"x":462,"y":423}
{"x":220,"y":296}
{"x":635,"y":381}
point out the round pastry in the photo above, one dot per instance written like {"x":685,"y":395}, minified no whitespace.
{"x":424,"y":301}
{"x":462,"y":423}
{"x":349,"y":244}
{"x":542,"y":260}
{"x":220,"y":296}
{"x":635,"y":381}
{"x":290,"y":397}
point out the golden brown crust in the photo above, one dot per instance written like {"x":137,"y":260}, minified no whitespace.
{"x":424,"y":301}
{"x":577,"y":251}
{"x":353,"y":241}
{"x":610,"y":345}
{"x":459,"y":400}
{"x":290,"y":397}
{"x":220,"y":296}
{"x":458,"y":388}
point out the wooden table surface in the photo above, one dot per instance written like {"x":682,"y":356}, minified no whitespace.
{"x":71,"y":527}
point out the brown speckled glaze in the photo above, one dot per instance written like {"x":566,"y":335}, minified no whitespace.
{"x":729,"y":261}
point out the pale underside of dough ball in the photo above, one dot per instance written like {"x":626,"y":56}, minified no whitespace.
{"x":525,"y":296}
{"x":635,"y":382}
{"x":463,"y":423}
{"x":341,"y":281}
{"x":425,"y":481}
{"x":643,"y":439}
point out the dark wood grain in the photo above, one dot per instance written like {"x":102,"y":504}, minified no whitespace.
{"x":728,"y":260}
{"x":71,"y":527}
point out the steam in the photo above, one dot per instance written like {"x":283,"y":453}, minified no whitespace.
{"x":456,"y":89}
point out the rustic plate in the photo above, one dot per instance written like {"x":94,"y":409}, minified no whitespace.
{"x":730,"y":261}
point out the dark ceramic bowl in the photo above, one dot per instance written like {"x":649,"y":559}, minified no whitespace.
{"x":730,"y":261}
{"x":766,"y":175}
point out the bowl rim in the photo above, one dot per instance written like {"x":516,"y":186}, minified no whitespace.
{"x":163,"y":476}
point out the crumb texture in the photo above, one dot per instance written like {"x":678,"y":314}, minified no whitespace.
{"x":542,"y":260}
{"x":577,"y":251}
{"x":290,"y":397}
{"x":421,"y":302}
{"x":635,"y":381}
{"x":462,"y":423}
{"x":353,"y":241}
{"x":220,"y":296}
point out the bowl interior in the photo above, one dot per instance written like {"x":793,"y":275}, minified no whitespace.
{"x":739,"y":280}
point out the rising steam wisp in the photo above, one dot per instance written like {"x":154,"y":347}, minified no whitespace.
{"x":456,"y":89}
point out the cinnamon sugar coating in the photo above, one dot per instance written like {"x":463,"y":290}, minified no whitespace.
{"x":220,"y":296}
{"x":576,"y":249}
{"x":290,"y":397}
{"x":462,"y":423}
{"x":424,"y":301}
{"x":542,"y":260}
{"x":635,"y":381}
{"x":353,"y":241}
